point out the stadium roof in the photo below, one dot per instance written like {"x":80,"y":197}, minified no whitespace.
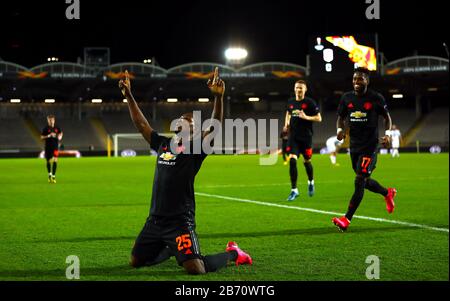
{"x":201,"y":70}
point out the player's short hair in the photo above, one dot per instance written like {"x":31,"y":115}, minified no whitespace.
{"x":301,"y":81}
{"x":362,"y":70}
{"x":50,"y":116}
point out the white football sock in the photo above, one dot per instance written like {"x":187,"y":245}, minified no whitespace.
{"x":333,"y":159}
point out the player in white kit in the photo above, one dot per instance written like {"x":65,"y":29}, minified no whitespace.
{"x":396,"y":136}
{"x":333,"y":145}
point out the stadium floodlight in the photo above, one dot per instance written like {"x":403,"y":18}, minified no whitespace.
{"x":253,"y":99}
{"x":236,"y":54}
{"x":147,"y":61}
{"x":397,"y":96}
{"x":172,"y":99}
{"x":49,"y":59}
{"x":125,"y":100}
{"x":96,"y":100}
{"x":432,"y":89}
{"x":49,"y":100}
{"x":15,"y":100}
{"x":203,"y":100}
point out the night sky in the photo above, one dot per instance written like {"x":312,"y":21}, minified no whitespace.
{"x":178,"y":32}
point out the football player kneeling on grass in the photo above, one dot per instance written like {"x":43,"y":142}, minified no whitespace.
{"x":170,"y":227}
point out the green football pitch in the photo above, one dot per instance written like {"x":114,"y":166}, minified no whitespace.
{"x":99,"y":205}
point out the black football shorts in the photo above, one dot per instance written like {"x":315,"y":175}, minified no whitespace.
{"x":300,"y":146}
{"x":51,"y":153}
{"x":364,"y":163}
{"x":176,"y":233}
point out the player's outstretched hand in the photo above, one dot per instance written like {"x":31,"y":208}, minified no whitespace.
{"x":125,"y":85}
{"x":215,"y":84}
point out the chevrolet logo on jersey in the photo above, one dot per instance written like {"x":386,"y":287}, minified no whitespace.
{"x":295,"y":113}
{"x":167,"y":156}
{"x":358,"y":114}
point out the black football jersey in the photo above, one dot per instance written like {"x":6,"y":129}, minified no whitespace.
{"x":173,"y":183}
{"x":52,"y":142}
{"x":298,"y":127}
{"x":362,"y":113}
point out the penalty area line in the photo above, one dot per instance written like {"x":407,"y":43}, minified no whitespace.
{"x":376,"y":219}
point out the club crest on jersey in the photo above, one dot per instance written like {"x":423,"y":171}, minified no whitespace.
{"x":350,"y":106}
{"x":367,"y":106}
{"x":304,"y":106}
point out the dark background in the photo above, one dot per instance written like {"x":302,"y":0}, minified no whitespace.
{"x":177,"y":32}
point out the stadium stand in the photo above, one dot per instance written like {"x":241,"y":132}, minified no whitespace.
{"x":82,"y":133}
{"x":422,"y":80}
{"x":15,"y":136}
{"x":403,"y":118}
{"x":434,"y":129}
{"x":78,"y":134}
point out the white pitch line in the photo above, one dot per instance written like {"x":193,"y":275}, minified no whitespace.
{"x":322,"y":212}
{"x":317,"y":182}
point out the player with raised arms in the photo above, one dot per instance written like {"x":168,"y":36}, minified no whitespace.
{"x":170,"y":226}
